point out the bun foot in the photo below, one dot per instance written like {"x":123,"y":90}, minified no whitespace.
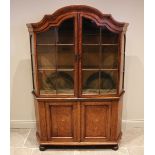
{"x":42,"y":148}
{"x":115,"y":147}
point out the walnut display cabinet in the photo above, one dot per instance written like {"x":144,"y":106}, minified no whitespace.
{"x":77,"y":57}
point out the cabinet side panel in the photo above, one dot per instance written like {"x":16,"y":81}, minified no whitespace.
{"x":120,"y":106}
{"x":37,"y":116}
{"x":41,"y":120}
{"x":33,"y":59}
{"x":122,"y":63}
{"x":116,"y":119}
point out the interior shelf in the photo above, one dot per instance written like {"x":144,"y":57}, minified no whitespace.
{"x":99,"y":44}
{"x":55,"y":44}
{"x":61,"y":91}
{"x":54,"y":69}
{"x":97,"y":69}
{"x":97,"y":91}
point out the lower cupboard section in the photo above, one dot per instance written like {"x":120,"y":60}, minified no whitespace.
{"x":78,"y":122}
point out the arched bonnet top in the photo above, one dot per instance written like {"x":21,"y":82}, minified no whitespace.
{"x":77,"y":11}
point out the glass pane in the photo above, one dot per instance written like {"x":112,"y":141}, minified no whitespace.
{"x":90,"y":57}
{"x":32,"y":59}
{"x":90,"y":82}
{"x":46,"y":56}
{"x":55,"y":49}
{"x":109,"y":57}
{"x":65,"y":82}
{"x":108,"y":82}
{"x":66,"y":32}
{"x":109,"y":37}
{"x":47,"y":37}
{"x":47,"y":81}
{"x":90,"y":32}
{"x":65,"y":57}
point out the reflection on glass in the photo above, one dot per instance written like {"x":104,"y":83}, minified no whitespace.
{"x":47,"y":37}
{"x":47,"y":82}
{"x":109,"y":57}
{"x":99,"y":82}
{"x":46,"y":57}
{"x":90,"y":82}
{"x":65,"y":57}
{"x":56,"y":82}
{"x":91,"y":57}
{"x":65,"y":82}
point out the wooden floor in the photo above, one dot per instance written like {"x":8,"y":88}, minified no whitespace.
{"x":23,"y":142}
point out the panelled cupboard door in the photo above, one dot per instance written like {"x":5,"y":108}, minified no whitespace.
{"x":95,"y":121}
{"x":62,"y":121}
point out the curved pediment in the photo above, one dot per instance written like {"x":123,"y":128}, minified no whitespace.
{"x":60,"y":15}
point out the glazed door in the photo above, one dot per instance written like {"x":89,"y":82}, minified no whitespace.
{"x":62,"y":121}
{"x":99,"y":63}
{"x":95,"y":121}
{"x":56,"y":50}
